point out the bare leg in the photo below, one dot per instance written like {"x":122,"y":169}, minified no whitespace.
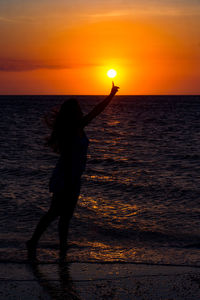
{"x":44,"y":222}
{"x":40,"y":228}
{"x":63,"y":228}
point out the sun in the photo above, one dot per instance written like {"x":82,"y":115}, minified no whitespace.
{"x":111,"y":73}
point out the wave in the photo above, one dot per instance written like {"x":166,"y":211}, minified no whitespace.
{"x":99,"y":262}
{"x":107,"y":161}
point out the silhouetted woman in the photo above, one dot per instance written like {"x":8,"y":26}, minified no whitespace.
{"x":69,"y":140}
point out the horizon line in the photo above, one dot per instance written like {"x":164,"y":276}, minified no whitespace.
{"x":85,"y":95}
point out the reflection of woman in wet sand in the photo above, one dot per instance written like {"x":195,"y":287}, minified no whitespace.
{"x":69,"y":140}
{"x":60,"y":289}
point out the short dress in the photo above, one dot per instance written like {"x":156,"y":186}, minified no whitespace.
{"x":66,"y":177}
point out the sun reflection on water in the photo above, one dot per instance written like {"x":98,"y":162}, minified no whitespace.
{"x":105,"y":252}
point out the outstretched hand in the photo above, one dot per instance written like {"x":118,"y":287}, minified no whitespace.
{"x":114,"y":89}
{"x":99,"y":107}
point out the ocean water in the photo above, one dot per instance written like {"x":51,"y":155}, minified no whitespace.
{"x":140,"y":192}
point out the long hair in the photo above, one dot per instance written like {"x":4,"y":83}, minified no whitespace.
{"x":63,"y":124}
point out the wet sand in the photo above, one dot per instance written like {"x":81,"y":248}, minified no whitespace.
{"x":90,"y":281}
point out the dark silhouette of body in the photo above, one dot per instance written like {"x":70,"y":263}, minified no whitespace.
{"x":69,"y":140}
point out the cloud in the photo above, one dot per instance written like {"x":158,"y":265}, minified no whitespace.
{"x":19,"y":19}
{"x":16,"y":65}
{"x":116,"y":13}
{"x":142,"y":9}
{"x":3,"y":19}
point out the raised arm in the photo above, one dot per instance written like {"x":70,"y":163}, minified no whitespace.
{"x":99,"y":107}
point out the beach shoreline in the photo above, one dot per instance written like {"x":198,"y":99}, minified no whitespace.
{"x":98,"y":281}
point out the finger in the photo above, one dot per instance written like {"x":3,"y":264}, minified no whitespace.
{"x":113,"y":84}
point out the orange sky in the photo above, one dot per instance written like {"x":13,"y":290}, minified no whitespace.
{"x":59,"y":48}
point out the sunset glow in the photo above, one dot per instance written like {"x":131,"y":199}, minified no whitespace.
{"x":111,"y":73}
{"x":47,"y":46}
